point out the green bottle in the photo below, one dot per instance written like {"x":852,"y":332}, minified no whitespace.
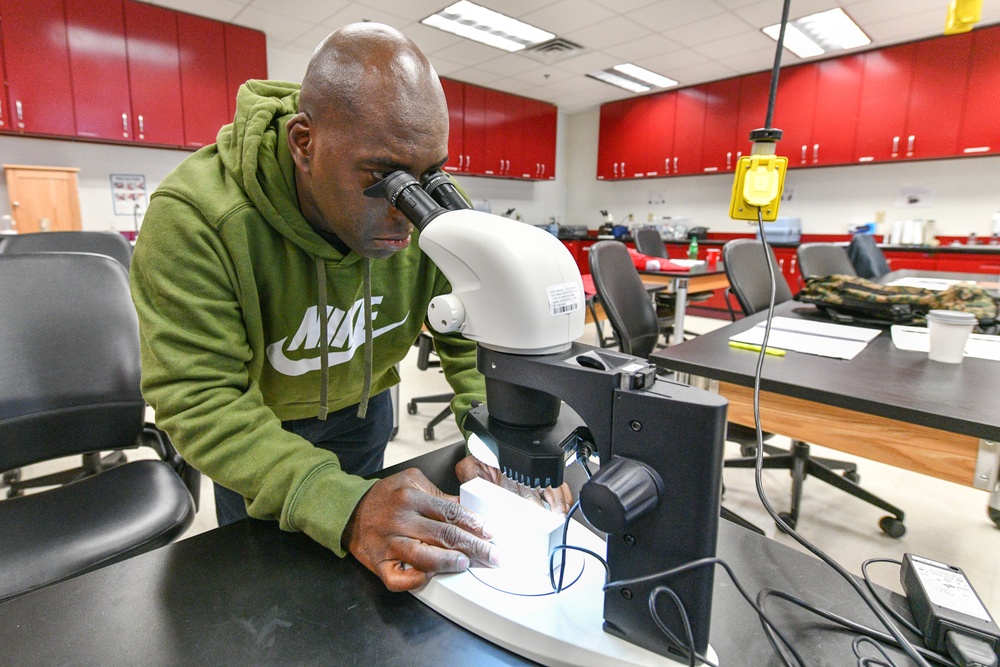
{"x":693,"y":248}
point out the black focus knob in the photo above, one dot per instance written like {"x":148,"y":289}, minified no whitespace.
{"x":620,"y":493}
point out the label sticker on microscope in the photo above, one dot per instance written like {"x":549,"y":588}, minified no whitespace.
{"x":564,"y":298}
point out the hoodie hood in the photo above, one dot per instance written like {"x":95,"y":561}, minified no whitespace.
{"x":255,"y":145}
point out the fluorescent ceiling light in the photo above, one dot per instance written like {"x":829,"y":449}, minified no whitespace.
{"x":820,"y":33}
{"x":469,"y":20}
{"x":644,"y":75}
{"x":620,"y":81}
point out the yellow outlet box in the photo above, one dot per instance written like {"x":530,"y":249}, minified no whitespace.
{"x":758,"y":183}
{"x":962,"y":15}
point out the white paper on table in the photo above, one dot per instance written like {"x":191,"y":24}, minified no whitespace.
{"x":917,"y":339}
{"x":686,"y":262}
{"x":935,"y":284}
{"x":838,"y":341}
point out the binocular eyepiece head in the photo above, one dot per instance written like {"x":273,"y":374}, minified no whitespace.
{"x":419,"y":203}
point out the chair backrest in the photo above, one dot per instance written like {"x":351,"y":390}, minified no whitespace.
{"x":69,"y":341}
{"x":624,"y":298}
{"x":648,"y":242}
{"x":866,"y":257}
{"x":743,"y":260}
{"x":111,"y":244}
{"x":824,"y":259}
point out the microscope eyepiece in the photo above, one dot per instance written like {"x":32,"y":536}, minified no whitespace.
{"x":404,"y":192}
{"x":444,"y":191}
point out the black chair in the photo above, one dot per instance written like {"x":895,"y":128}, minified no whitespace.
{"x":750,"y":283}
{"x":866,"y":257}
{"x":69,"y":384}
{"x":824,"y":259}
{"x":630,"y":312}
{"x":425,"y":346}
{"x":112,"y":245}
{"x":648,"y":242}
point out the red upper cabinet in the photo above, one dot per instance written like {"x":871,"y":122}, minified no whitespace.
{"x":885,"y":86}
{"x":454,"y":93}
{"x":722,"y":116}
{"x":937,"y":94}
{"x":980,"y":131}
{"x":835,"y":120}
{"x":246,"y":58}
{"x":479,"y":121}
{"x":754,"y":91}
{"x":39,"y":97}
{"x":793,"y":114}
{"x":659,"y":142}
{"x":615,"y":140}
{"x":689,"y":131}
{"x":98,"y":64}
{"x":540,"y":122}
{"x":154,"y":74}
{"x":4,"y":116}
{"x":204,"y":92}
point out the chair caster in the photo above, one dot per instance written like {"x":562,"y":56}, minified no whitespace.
{"x":995,"y":516}
{"x":428,"y":434}
{"x":411,"y":408}
{"x":852,"y":476}
{"x":788,"y":519}
{"x":892,"y":527}
{"x":11,"y":476}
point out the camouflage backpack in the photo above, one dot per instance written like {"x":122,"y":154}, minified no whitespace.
{"x":854,"y":299}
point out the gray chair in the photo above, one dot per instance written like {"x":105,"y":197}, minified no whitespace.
{"x":648,"y":242}
{"x":866,"y":257}
{"x":630,"y":311}
{"x":749,"y":281}
{"x":69,"y":385}
{"x":824,"y":259}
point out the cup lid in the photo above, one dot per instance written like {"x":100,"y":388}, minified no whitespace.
{"x":951,"y":317}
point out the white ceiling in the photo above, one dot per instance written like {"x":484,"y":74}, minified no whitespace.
{"x":692,"y":41}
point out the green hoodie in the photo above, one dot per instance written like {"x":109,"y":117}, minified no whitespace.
{"x":228,"y":279}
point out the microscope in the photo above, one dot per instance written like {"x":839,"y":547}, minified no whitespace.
{"x":517,"y":292}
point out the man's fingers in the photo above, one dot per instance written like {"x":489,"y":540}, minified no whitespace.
{"x":560,"y":499}
{"x":397,"y":577}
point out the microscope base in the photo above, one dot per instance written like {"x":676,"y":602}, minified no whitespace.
{"x":556,"y":630}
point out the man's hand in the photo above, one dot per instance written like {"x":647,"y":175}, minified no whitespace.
{"x":559,"y":499}
{"x":405,"y":529}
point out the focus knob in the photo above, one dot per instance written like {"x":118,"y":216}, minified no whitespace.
{"x":446,"y":313}
{"x":619,"y":494}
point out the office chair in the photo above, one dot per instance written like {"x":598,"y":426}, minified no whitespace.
{"x":425,"y":345}
{"x":648,"y":242}
{"x":111,"y":244}
{"x":866,"y":257}
{"x":749,"y":282}
{"x":69,"y":384}
{"x":823,"y":259}
{"x":631,"y":313}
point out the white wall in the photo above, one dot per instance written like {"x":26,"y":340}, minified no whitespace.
{"x":964,"y":193}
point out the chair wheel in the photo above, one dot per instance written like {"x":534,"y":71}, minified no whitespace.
{"x":411,"y":408}
{"x":11,"y":476}
{"x":787,"y":518}
{"x":748,"y":450}
{"x":892,"y":527}
{"x":995,"y":515}
{"x":852,"y":476}
{"x":428,"y":434}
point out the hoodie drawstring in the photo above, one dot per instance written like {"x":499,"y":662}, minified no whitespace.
{"x":324,"y":352}
{"x":369,"y":343}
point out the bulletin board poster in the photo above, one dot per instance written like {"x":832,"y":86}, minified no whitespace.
{"x":128,"y":191}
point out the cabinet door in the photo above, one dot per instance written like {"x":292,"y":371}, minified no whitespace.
{"x":246,"y":58}
{"x":689,"y":131}
{"x":478,"y":120}
{"x":204,"y":91}
{"x":882,"y":109}
{"x":40,"y":97}
{"x":940,"y":78}
{"x":513,"y":162}
{"x":498,"y":114}
{"x":4,"y":117}
{"x":722,"y":117}
{"x":538,"y":134}
{"x":754,"y":90}
{"x":835,"y":120}
{"x":962,"y":263}
{"x":659,"y":142}
{"x":980,"y":131}
{"x":613,"y":138}
{"x":454,"y":93}
{"x":154,"y":74}
{"x":909,"y":259}
{"x":793,"y":113}
{"x":96,"y":31}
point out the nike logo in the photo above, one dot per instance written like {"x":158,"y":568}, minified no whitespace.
{"x":346,"y":332}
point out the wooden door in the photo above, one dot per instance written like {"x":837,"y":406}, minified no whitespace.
{"x":43,"y":199}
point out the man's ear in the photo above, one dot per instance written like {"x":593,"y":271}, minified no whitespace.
{"x":300,"y":141}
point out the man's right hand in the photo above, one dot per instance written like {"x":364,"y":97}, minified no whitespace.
{"x":405,"y":530}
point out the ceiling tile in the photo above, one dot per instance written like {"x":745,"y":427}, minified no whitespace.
{"x":430,"y":39}
{"x":644,"y":47}
{"x":221,"y":10}
{"x":314,"y":10}
{"x":588,"y":62}
{"x":669,"y":62}
{"x":623,"y":6}
{"x":307,"y":42}
{"x":702,"y":72}
{"x":904,"y":28}
{"x":468,"y":52}
{"x":444,"y":67}
{"x":510,"y":64}
{"x":767,"y":13}
{"x":709,"y":30}
{"x":512,"y":85}
{"x":724,"y":48}
{"x":544,"y":75}
{"x":279,"y":29}
{"x":568,"y":15}
{"x":514,"y":8}
{"x":411,"y":9}
{"x":755,"y":61}
{"x":355,"y":13}
{"x":672,"y":13}
{"x":476,"y":76}
{"x":615,"y":30}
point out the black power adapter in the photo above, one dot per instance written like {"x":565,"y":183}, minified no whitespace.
{"x":949,"y":612}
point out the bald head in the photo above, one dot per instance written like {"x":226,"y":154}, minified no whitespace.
{"x":363,"y":65}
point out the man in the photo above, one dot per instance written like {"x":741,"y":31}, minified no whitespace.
{"x":275,"y":300}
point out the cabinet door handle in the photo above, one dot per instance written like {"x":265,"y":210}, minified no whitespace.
{"x":20,"y":110}
{"x":781,"y":263}
{"x":909,"y":144}
{"x":895,"y":146}
{"x":124,"y":124}
{"x":543,"y":169}
{"x":675,"y":164}
{"x":508,"y":166}
{"x":793,"y":265}
{"x":468,"y":162}
{"x":803,"y":153}
{"x":815,"y":153}
{"x":142,"y":124}
{"x":666,"y":165}
{"x":623,"y":169}
{"x":729,"y":160}
{"x":616,"y":169}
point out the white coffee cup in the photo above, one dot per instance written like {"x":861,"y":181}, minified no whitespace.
{"x":948,"y":331}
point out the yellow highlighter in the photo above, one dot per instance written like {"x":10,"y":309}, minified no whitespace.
{"x":756,"y":348}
